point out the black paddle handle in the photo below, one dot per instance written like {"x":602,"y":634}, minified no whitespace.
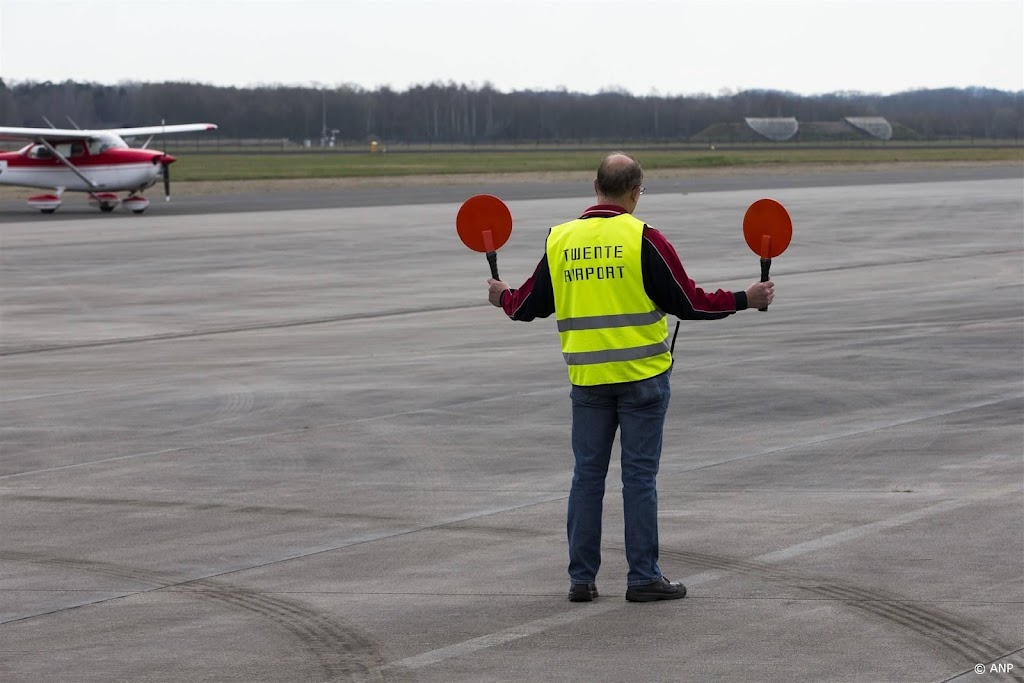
{"x":766,"y":264}
{"x":492,"y":261}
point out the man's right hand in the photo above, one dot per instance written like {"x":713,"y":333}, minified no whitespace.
{"x":494,"y":290}
{"x":760,"y":294}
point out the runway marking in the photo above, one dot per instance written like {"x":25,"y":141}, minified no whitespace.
{"x":585,"y":611}
{"x":501,"y":637}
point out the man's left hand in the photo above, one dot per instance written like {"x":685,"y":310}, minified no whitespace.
{"x":494,"y":290}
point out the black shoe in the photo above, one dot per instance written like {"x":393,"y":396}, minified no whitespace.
{"x":582,"y":592}
{"x":662,"y":589}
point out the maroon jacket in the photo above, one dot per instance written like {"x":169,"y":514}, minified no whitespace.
{"x":665,"y":282}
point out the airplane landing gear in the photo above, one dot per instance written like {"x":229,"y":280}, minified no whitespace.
{"x":47,"y":203}
{"x":106,"y":201}
{"x":136,"y":203}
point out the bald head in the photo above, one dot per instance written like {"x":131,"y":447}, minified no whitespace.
{"x":617,"y":177}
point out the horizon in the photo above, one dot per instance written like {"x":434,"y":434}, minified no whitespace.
{"x":479,"y":87}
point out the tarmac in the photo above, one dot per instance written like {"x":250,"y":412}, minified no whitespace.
{"x":254,"y":445}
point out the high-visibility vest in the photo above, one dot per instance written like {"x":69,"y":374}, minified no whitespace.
{"x":611,"y":331}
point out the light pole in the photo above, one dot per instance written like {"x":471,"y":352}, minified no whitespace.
{"x":323,"y":119}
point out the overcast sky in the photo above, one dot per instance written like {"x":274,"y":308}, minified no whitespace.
{"x":665,"y":47}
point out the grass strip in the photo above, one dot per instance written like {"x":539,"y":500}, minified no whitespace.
{"x":195,"y":166}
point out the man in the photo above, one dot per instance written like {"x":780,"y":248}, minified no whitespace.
{"x":610,"y":280}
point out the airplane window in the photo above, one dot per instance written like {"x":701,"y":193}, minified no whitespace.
{"x":102,"y":143}
{"x":77,"y":149}
{"x":39,"y":152}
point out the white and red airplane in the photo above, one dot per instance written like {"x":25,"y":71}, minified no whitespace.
{"x":99,"y":162}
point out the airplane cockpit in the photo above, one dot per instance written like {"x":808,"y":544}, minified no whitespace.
{"x":65,"y":149}
{"x":69,"y":150}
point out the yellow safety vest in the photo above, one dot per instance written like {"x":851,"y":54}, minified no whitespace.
{"x":611,"y":331}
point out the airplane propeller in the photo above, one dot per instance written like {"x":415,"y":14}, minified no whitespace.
{"x":167,"y":182}
{"x":167,"y":169}
{"x":165,"y":161}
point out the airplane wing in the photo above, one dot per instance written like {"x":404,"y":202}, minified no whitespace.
{"x":50,"y":134}
{"x":57,"y":135}
{"x":160,"y":130}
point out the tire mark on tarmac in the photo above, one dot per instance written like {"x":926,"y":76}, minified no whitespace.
{"x":725,"y":565}
{"x":340,"y":650}
{"x":915,"y":617}
{"x":358,"y":539}
{"x":972,"y":641}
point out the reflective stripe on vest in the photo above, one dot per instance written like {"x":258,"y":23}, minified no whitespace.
{"x":595,"y":322}
{"x":610,"y":330}
{"x":635,"y":353}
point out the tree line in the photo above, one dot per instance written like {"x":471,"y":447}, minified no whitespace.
{"x":450,"y":113}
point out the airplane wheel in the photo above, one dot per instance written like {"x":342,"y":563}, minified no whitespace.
{"x":47,"y":210}
{"x":139,"y":212}
{"x":106,"y":208}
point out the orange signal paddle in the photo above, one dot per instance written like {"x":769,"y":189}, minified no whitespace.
{"x":767,"y":228}
{"x":484,"y":224}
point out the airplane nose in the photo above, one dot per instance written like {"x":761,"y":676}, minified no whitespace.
{"x":167,"y":159}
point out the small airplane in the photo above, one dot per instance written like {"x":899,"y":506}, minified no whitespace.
{"x":99,"y":162}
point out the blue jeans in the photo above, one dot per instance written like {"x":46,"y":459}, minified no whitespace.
{"x":597,"y":412}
